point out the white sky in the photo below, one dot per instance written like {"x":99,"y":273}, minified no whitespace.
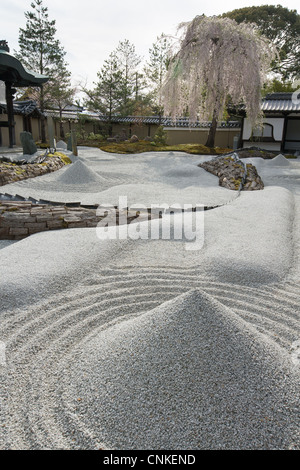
{"x":89,"y":30}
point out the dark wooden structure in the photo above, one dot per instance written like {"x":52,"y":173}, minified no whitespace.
{"x":13,"y":74}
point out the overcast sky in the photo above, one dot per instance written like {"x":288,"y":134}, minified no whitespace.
{"x":89,"y":30}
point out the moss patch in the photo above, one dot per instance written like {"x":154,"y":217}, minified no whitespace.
{"x":10,"y":172}
{"x":145,"y":146}
{"x":62,"y":156}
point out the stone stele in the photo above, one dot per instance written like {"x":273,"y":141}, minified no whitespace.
{"x":28,"y":144}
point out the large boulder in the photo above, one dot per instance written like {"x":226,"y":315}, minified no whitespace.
{"x":28,"y":144}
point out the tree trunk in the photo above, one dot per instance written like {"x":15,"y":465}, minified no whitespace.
{"x":212,"y":133}
{"x":61,"y":127}
{"x":61,"y":130}
{"x":109,"y":124}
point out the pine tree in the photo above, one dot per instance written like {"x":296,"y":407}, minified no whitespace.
{"x":41,"y":52}
{"x":128,"y":62}
{"x":106,"y":97}
{"x":156,"y":69}
{"x":61,"y":94}
{"x":120,"y":84}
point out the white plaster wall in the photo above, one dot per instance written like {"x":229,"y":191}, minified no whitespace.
{"x":277,"y":124}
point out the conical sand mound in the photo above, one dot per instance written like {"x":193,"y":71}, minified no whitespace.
{"x":280,"y":160}
{"x":188,"y":374}
{"x":78,"y":173}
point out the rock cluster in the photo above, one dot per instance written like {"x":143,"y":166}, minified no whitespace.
{"x":233,"y":174}
{"x":134,"y":138}
{"x":19,"y":219}
{"x":122,"y":137}
{"x":11,"y":172}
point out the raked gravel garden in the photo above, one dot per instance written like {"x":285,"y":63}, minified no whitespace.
{"x":134,"y":342}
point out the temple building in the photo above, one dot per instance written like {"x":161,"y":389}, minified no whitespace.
{"x":14,"y":74}
{"x":281,"y":124}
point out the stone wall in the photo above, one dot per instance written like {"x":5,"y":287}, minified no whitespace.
{"x":11,"y":172}
{"x":19,"y":219}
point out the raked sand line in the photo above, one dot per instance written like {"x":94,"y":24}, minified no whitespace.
{"x":75,"y":339}
{"x":57,"y":339}
{"x":69,"y":314}
{"x":194,"y":347}
{"x":253,"y":304}
{"x":51,"y":334}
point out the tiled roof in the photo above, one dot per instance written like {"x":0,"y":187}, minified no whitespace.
{"x":11,"y":70}
{"x":65,"y":114}
{"x":22,"y":107}
{"x":168,"y":122}
{"x":279,"y":96}
{"x":281,"y":102}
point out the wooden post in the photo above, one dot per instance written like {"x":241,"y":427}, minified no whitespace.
{"x":9,"y":94}
{"x":50,"y":132}
{"x":74,"y":143}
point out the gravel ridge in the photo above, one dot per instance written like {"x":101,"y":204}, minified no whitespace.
{"x":141,"y":344}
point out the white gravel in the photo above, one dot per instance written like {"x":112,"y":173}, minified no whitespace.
{"x":78,"y":173}
{"x":190,"y":373}
{"x":100,"y":178}
{"x":142,"y":344}
{"x":279,"y":160}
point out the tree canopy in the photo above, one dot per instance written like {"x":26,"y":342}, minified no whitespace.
{"x":120,"y":88}
{"x":156,"y":68}
{"x":216,"y":58}
{"x":107,"y":94}
{"x":128,"y":62}
{"x":281,"y":26}
{"x":41,"y":51}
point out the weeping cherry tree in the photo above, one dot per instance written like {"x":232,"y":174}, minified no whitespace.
{"x":217,"y":59}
